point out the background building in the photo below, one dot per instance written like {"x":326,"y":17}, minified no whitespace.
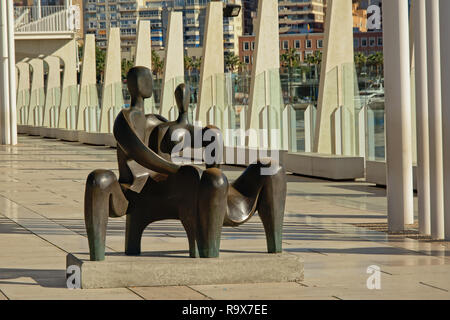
{"x":306,"y":16}
{"x":301,"y":16}
{"x":368,"y":42}
{"x":304,"y":43}
{"x":100,"y":15}
{"x":58,"y":4}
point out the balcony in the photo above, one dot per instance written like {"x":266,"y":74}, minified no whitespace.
{"x":124,"y":8}
{"x":30,"y":19}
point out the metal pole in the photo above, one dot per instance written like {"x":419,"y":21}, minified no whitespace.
{"x":445,"y":56}
{"x":4,"y":79}
{"x":435,"y":120}
{"x":12,"y":74}
{"x":423,"y":157}
{"x":398,"y":114}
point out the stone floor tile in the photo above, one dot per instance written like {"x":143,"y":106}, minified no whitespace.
{"x":168,"y":293}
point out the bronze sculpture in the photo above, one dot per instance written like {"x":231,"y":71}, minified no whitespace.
{"x":151,"y":187}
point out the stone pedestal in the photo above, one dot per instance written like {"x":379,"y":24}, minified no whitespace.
{"x":177,"y":269}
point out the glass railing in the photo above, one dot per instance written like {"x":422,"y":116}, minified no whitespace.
{"x":168,"y":102}
{"x":286,"y":99}
{"x":34,"y":113}
{"x":23,"y":101}
{"x":112,"y":101}
{"x":52,"y":102}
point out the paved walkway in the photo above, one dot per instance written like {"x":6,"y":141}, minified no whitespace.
{"x":41,"y":220}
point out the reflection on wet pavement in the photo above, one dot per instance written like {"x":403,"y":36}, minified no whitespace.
{"x":41,"y":220}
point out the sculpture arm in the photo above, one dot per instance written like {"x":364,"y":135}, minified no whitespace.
{"x":137,"y":150}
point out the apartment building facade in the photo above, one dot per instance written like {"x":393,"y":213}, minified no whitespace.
{"x":368,"y":42}
{"x":295,"y":16}
{"x":304,"y":43}
{"x":100,"y":15}
{"x":308,"y":43}
{"x":301,"y":16}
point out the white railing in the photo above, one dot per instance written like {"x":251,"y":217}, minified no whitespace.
{"x":47,"y":19}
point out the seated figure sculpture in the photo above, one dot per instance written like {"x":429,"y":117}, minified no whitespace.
{"x":152,"y":188}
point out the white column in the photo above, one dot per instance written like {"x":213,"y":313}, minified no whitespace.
{"x":423,"y":157}
{"x":12,"y":74}
{"x":111,"y":97}
{"x":4,"y":78}
{"x":265,"y":86}
{"x":445,"y":56}
{"x":212,"y":61}
{"x":435,"y":120}
{"x":398,"y":115}
{"x":336,"y":88}
{"x":87,"y":97}
{"x":173,"y":63}
{"x":38,"y":5}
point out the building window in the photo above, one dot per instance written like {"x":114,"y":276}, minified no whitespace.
{"x":308,"y":44}
{"x":356,"y":43}
{"x":380,"y":41}
{"x":247,"y":59}
{"x":307,"y":54}
{"x":372,"y":42}
{"x":253,"y":45}
{"x":297,"y":44}
{"x":285,"y":45}
{"x":364,"y":42}
{"x":246,"y":46}
{"x":320,"y":43}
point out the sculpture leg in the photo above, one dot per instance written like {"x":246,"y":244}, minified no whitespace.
{"x":266,"y":184}
{"x":133,"y":234}
{"x":185,"y":186}
{"x":212,"y":207}
{"x":103,"y":197}
{"x":270,"y":208}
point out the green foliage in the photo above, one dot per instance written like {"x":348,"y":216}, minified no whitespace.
{"x":290,"y":59}
{"x":191,"y":64}
{"x":314,"y":59}
{"x":157,"y":64}
{"x":360,"y":59}
{"x":100,"y":60}
{"x":232,"y":61}
{"x":376,"y":60}
{"x":188,"y":63}
{"x":126,"y":66}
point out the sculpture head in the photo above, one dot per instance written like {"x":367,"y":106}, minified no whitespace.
{"x":140,"y":83}
{"x":182,"y":96}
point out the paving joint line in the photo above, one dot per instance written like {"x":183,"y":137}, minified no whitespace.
{"x":45,"y":218}
{"x":140,"y":296}
{"x":3,"y":294}
{"x":205,"y":295}
{"x":431,"y":286}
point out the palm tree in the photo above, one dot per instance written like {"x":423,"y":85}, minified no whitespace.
{"x":188,"y":64}
{"x":126,"y":66}
{"x":232,"y":61}
{"x":315,"y":60}
{"x":360,"y":61}
{"x":196,"y":64}
{"x":377,"y":60}
{"x":100,"y":58}
{"x":290,"y":59}
{"x":157,"y":64}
